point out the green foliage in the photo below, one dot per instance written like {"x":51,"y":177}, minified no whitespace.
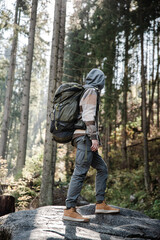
{"x":126,"y":189}
{"x":88,"y":192}
{"x":33,"y":167}
{"x":26,"y":184}
{"x":5,"y":16}
{"x":155,"y":211}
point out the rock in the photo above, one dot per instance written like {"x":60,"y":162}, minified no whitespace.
{"x":132,"y":198}
{"x":81,"y":201}
{"x":45,"y":223}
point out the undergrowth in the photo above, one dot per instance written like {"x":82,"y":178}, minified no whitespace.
{"x":125,"y":188}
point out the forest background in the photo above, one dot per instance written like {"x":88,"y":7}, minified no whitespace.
{"x":121,"y":37}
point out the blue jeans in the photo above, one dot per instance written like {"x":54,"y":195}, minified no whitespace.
{"x":84,"y":159}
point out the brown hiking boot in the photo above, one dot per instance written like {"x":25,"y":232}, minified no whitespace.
{"x":104,"y":208}
{"x":72,"y":215}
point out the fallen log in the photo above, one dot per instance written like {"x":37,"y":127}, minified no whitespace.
{"x":138,"y":143}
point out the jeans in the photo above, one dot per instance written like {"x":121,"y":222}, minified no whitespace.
{"x":84,"y":159}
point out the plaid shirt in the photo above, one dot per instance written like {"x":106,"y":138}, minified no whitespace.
{"x":88,"y":112}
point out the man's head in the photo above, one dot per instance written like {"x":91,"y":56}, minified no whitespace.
{"x":95,"y":78}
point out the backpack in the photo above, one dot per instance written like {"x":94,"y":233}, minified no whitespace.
{"x":64,"y":118}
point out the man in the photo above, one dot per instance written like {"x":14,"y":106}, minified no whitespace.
{"x":87,"y":143}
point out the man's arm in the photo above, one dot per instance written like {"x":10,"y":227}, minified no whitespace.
{"x":89,"y":105}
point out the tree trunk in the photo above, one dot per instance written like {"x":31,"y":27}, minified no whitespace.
{"x":145,"y":141}
{"x":7,"y":204}
{"x":67,"y":164}
{"x":158,"y":105}
{"x":153,"y":85}
{"x":9,"y":88}
{"x":125,"y":90}
{"x":61,"y":43}
{"x":50,"y":149}
{"x":154,"y":82}
{"x":59,"y":71}
{"x":158,"y":94}
{"x":26,"y":91}
{"x":115,"y":133}
{"x":107,"y":147}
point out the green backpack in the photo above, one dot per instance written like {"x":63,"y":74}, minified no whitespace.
{"x":64,"y":118}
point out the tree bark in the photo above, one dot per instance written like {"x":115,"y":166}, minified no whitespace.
{"x":115,"y":133}
{"x":9,"y":88}
{"x":7,"y":204}
{"x":61,"y":43}
{"x":158,"y":98}
{"x":145,"y":140}
{"x":125,"y":90}
{"x":158,"y":82}
{"x":56,"y":63}
{"x":108,"y":134}
{"x":107,"y":144}
{"x":67,"y":163}
{"x":26,"y":91}
{"x":153,"y":85}
{"x":59,"y":71}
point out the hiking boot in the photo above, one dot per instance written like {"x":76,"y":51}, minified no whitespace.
{"x":104,"y":208}
{"x":72,"y":215}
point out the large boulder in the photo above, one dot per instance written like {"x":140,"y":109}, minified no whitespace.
{"x":45,"y":223}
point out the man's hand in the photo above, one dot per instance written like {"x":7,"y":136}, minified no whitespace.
{"x":95,"y":145}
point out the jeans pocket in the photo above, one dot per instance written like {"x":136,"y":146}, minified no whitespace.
{"x":84,"y":143}
{"x":80,"y":156}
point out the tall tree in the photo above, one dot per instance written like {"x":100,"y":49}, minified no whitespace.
{"x":9,"y":88}
{"x":104,"y":27}
{"x":125,"y":84}
{"x":154,"y":80}
{"x":26,"y":90}
{"x":78,"y":54}
{"x":46,"y":194}
{"x":158,"y":82}
{"x":61,"y":43}
{"x":144,"y":119}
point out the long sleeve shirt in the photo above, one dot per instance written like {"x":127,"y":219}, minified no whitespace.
{"x":88,"y":112}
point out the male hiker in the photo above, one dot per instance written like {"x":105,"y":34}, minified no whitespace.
{"x":87,"y":143}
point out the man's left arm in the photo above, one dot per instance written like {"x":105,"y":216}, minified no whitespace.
{"x":89,"y":106}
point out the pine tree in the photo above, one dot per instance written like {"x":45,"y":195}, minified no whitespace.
{"x":125,"y":83}
{"x":158,"y":82}
{"x":50,"y":148}
{"x":78,"y":55}
{"x":26,"y":91}
{"x":9,"y":89}
{"x":145,"y":140}
{"x":154,"y":80}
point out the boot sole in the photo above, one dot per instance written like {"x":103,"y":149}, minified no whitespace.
{"x":75,"y":219}
{"x":107,"y":211}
